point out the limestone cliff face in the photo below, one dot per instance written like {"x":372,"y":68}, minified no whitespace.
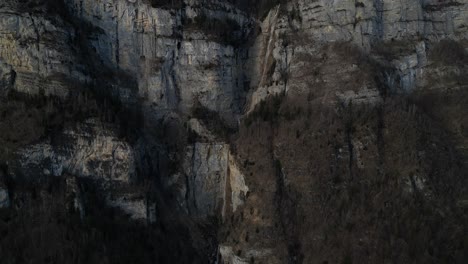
{"x":39,"y":50}
{"x":90,"y":150}
{"x":176,"y":61}
{"x":210,"y":170}
{"x":397,"y":34}
{"x":238,"y":131}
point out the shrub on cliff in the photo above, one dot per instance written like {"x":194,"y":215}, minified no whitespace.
{"x":226,"y":31}
{"x":166,"y":3}
{"x":449,"y":52}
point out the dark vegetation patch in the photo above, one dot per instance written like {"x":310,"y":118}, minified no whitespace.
{"x":213,"y":122}
{"x":39,"y":6}
{"x":259,"y":8}
{"x":349,"y":51}
{"x":448,"y":109}
{"x":360,"y":4}
{"x":267,"y":110}
{"x":276,"y":109}
{"x":47,"y":229}
{"x":394,"y":49}
{"x":166,"y":4}
{"x":449,"y":52}
{"x":333,"y":188}
{"x":25,"y":119}
{"x":226,"y":30}
{"x":441,"y":5}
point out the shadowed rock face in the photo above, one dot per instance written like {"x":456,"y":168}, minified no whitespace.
{"x":137,"y":131}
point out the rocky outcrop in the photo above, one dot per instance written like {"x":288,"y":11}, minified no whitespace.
{"x":215,"y":185}
{"x":136,"y":207}
{"x":40,"y":51}
{"x":239,"y":189}
{"x":4,"y":198}
{"x":207,"y":172}
{"x":89,"y":150}
{"x":93,"y":151}
{"x":227,"y":255}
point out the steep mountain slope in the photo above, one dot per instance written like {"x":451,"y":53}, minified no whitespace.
{"x":234,"y":131}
